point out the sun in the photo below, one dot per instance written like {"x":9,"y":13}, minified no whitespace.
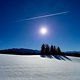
{"x":43,"y":30}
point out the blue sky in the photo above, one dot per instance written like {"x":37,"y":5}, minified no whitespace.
{"x":64,"y":30}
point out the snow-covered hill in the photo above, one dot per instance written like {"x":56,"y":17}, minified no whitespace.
{"x":15,"y":67}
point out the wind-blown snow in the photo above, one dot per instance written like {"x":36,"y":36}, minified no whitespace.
{"x":14,"y":67}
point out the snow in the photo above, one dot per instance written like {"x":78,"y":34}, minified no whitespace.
{"x":15,"y":67}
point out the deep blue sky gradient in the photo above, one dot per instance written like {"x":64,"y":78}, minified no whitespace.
{"x":64,"y":30}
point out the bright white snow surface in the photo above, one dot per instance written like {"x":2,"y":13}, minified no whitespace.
{"x":15,"y":67}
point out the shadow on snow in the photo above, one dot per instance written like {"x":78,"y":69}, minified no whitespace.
{"x":59,"y":57}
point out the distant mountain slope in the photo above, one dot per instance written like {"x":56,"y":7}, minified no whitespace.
{"x":23,"y":51}
{"x":20,"y":51}
{"x":72,"y":53}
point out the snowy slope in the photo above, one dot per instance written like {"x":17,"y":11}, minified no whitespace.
{"x":15,"y":67}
